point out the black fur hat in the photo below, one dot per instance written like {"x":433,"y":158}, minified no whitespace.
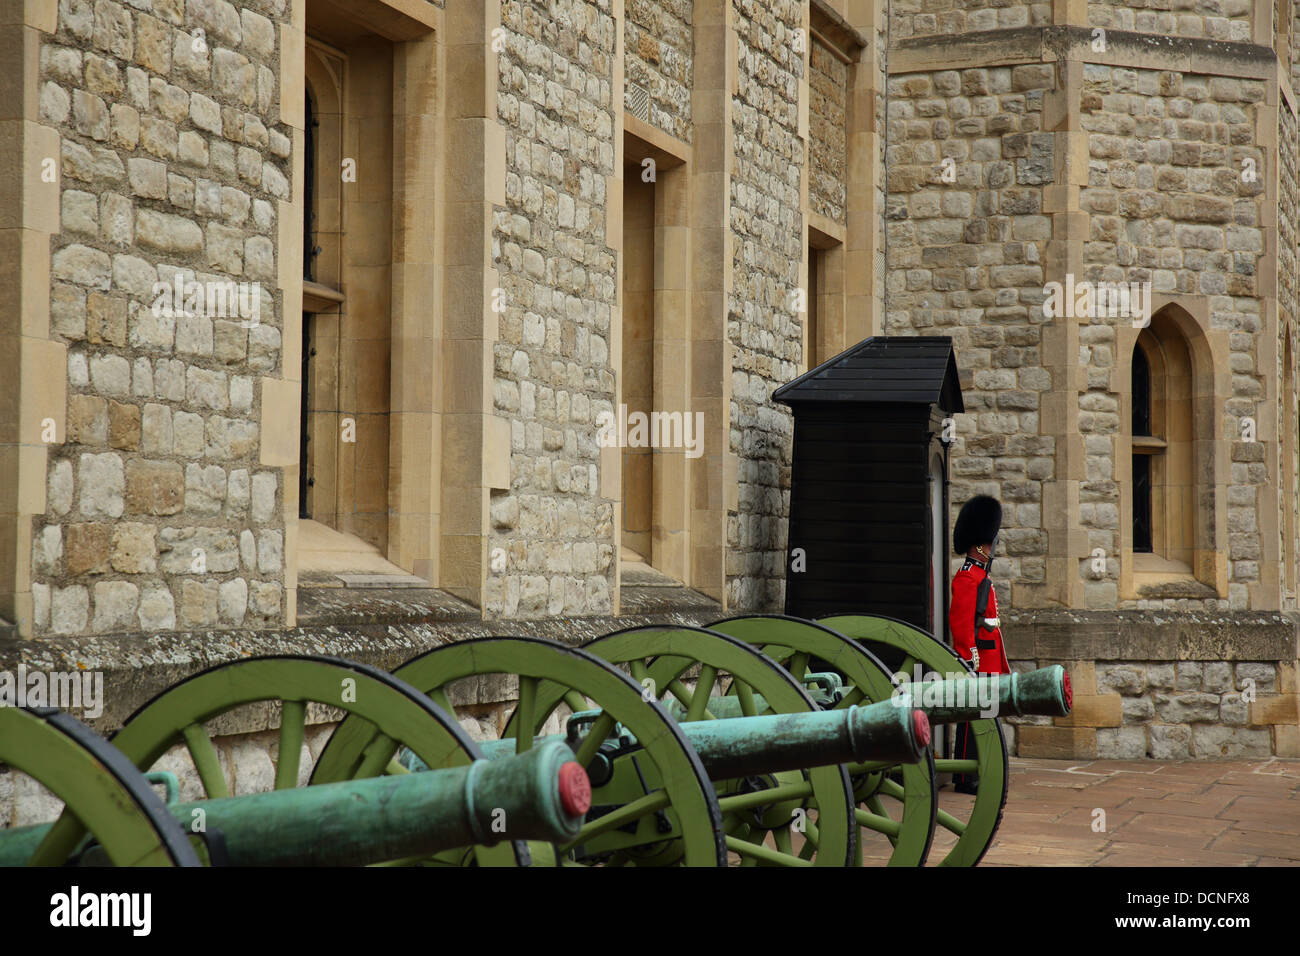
{"x":977,"y":523}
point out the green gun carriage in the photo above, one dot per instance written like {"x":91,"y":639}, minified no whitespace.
{"x":705,"y":746}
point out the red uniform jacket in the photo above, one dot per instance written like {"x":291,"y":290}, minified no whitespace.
{"x":961,"y":621}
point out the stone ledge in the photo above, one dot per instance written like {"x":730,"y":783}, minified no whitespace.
{"x":1058,"y":634}
{"x":137,"y":667}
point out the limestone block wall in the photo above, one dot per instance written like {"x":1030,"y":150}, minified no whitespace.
{"x":827,"y":127}
{"x":880,"y":190}
{"x":921,"y":18}
{"x":966,"y":260}
{"x":1293,"y":68}
{"x":767,"y":243}
{"x":173,"y":161}
{"x":553,"y":371}
{"x":659,"y":56}
{"x":1211,"y":19}
{"x":1167,"y":710}
{"x":1165,"y":188}
{"x":1169,"y":205}
{"x":1288,"y":347}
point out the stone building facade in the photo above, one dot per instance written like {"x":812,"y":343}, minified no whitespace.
{"x":1145,"y":453}
{"x":304,"y":295}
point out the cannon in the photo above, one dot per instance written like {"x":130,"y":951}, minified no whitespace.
{"x":868,"y":652}
{"x":541,"y":794}
{"x":891,"y":732}
{"x":760,"y":740}
{"x":1045,"y":692}
{"x":744,"y":793}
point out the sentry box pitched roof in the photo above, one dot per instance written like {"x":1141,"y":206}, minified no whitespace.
{"x":894,"y":370}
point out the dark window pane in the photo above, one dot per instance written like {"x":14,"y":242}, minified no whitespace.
{"x":1142,"y":503}
{"x":1141,"y":393}
{"x":309,"y":184}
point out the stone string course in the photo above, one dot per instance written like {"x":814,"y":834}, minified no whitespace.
{"x":659,"y":55}
{"x":173,"y":163}
{"x":554,"y":373}
{"x":767,"y":250}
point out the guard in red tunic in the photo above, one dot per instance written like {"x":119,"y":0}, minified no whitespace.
{"x":973,"y":612}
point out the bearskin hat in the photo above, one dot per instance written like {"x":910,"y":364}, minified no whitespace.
{"x":977,"y":523}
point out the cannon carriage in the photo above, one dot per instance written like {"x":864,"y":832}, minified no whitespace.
{"x":757,"y":741}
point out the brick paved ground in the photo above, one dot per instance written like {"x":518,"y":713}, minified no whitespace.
{"x":1210,"y":813}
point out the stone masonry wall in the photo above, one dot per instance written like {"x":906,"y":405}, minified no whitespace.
{"x":1177,"y":710}
{"x":920,"y":18}
{"x":172,"y":162}
{"x":1288,"y":275}
{"x":659,"y":53}
{"x":965,"y":260}
{"x":767,"y":251}
{"x":553,"y":369}
{"x":827,"y":142}
{"x":1294,"y":67}
{"x":1211,"y":19}
{"x":1169,"y":205}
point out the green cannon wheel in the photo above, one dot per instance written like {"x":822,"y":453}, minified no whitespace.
{"x":966,"y":829}
{"x":816,"y":803}
{"x":101,"y":790}
{"x":898,"y":805}
{"x":396,"y":714}
{"x":657,"y":808}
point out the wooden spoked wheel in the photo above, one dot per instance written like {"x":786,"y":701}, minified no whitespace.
{"x":897,"y":805}
{"x":966,"y":825}
{"x":396,"y":714}
{"x":793,"y":818}
{"x":104,"y":795}
{"x":652,"y":802}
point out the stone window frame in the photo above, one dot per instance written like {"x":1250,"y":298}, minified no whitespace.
{"x":824,"y":321}
{"x":671,"y":341}
{"x":1178,"y":331}
{"x":420,"y":116}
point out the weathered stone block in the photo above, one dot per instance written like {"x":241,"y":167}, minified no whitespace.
{"x":124,"y":426}
{"x":134,"y":550}
{"x":86,"y":549}
{"x":1121,"y":743}
{"x":198,"y":604}
{"x":1169,"y":742}
{"x":1187,"y":708}
{"x":69,"y":610}
{"x":154,"y":487}
{"x":100,"y":478}
{"x":1275,"y":709}
{"x":1057,"y":742}
{"x":157,"y":610}
{"x":115,"y":606}
{"x":233,"y":601}
{"x":87,"y":419}
{"x":198,"y":551}
{"x":1215,"y":740}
